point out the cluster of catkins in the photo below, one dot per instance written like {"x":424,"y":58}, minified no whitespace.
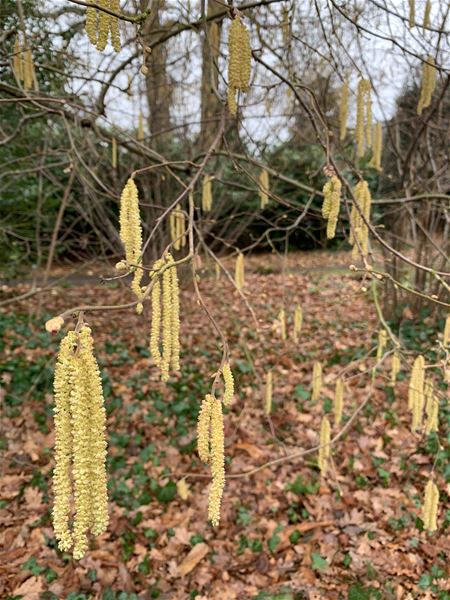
{"x":100,"y":24}
{"x":211,"y":444}
{"x":421,"y":397}
{"x":239,"y":61}
{"x":297,"y":324}
{"x":23,"y":66}
{"x":79,"y":479}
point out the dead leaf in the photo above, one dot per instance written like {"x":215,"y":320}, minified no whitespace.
{"x":198,"y":552}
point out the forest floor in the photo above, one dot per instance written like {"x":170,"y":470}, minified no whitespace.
{"x":286,"y":533}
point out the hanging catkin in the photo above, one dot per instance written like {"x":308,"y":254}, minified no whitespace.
{"x":430,"y":506}
{"x":427,"y":12}
{"x":382,"y":340}
{"x":446,"y":340}
{"x":141,"y":132}
{"x":100,"y":24}
{"x":177,"y":224}
{"x":316,"y":381}
{"x":324,"y":450}
{"x":155,"y":330}
{"x":338,"y":404}
{"x":412,"y":13}
{"x":282,"y":321}
{"x":359,"y":231}
{"x":395,"y":367}
{"x":239,"y":272}
{"x":417,"y":410}
{"x":131,"y":233}
{"x":167,"y":307}
{"x":377,"y":147}
{"x":331,"y":204}
{"x":114,"y":153}
{"x":18,"y":61}
{"x":228,"y":380}
{"x":268,"y":390}
{"x":203,"y":428}
{"x":428,"y":84}
{"x":217,"y":462}
{"x":363,"y":117}
{"x":431,"y":408}
{"x":298,"y":319}
{"x":175,"y":290}
{"x":239,"y":61}
{"x":343,"y":111}
{"x":207,"y":193}
{"x":416,"y":383}
{"x":263,"y":188}
{"x":79,"y":479}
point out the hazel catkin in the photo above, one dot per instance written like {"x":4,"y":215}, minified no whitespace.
{"x":264,"y":188}
{"x":316,"y":381}
{"x":428,"y":84}
{"x":239,"y":61}
{"x":324,"y":450}
{"x":331,"y":204}
{"x":228,"y":379}
{"x":217,"y":462}
{"x":430,"y":506}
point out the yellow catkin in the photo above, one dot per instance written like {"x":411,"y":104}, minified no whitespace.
{"x":18,"y":62}
{"x":28,"y":70}
{"x":181,"y":226}
{"x":416,"y":383}
{"x":417,"y":410}
{"x":430,"y":506}
{"x":395,"y":367}
{"x":155,"y":330}
{"x":282,"y":321}
{"x":103,"y":25}
{"x":239,"y":61}
{"x":175,"y":353}
{"x":316,"y":381}
{"x":183,"y":489}
{"x":207,"y":193}
{"x":114,"y":25}
{"x":203,"y":428}
{"x":268,"y":391}
{"x":428,"y":84}
{"x":359,"y":231}
{"x":431,"y":408}
{"x":338,"y":405}
{"x":343,"y":111}
{"x":62,"y":485}
{"x":412,"y":13}
{"x":228,"y":379}
{"x":131,"y":232}
{"x":167,"y":320}
{"x":263,"y":188}
{"x":446,"y":340}
{"x":114,"y":153}
{"x":92,"y":24}
{"x":80,"y":445}
{"x":298,"y":321}
{"x":141,"y":132}
{"x":363,"y":117}
{"x":426,"y":15}
{"x":239,"y":278}
{"x":382,"y":340}
{"x":177,"y":224}
{"x":324,"y":450}
{"x":331,"y":204}
{"x":217,"y":271}
{"x":377,"y":147}
{"x":217,"y":462}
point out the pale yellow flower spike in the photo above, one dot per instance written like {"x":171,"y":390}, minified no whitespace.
{"x":382,"y":341}
{"x":363,"y":117}
{"x":239,"y":272}
{"x":131,"y":232}
{"x":92,"y":24}
{"x":203,"y":428}
{"x":97,"y":420}
{"x":217,"y":462}
{"x":324,"y":450}
{"x":377,"y":147}
{"x":430,"y":506}
{"x":239,"y":61}
{"x":155,"y":331}
{"x":167,"y":311}
{"x":316,"y":381}
{"x":282,"y":320}
{"x":298,"y":320}
{"x":428,"y":84}
{"x":103,"y":25}
{"x":268,"y":390}
{"x":412,"y":13}
{"x":417,"y":410}
{"x":426,"y":16}
{"x":62,"y":485}
{"x":175,"y":356}
{"x":114,"y":25}
{"x":416,"y":384}
{"x":207,"y":193}
{"x":343,"y":111}
{"x":446,"y":340}
{"x":331,"y":204}
{"x":263,"y":188}
{"x":228,"y":394}
{"x":29,"y":75}
{"x":359,"y":231}
{"x":18,"y":66}
{"x":395,"y":368}
{"x":431,"y":408}
{"x":114,"y":153}
{"x":141,"y":132}
{"x":338,"y":405}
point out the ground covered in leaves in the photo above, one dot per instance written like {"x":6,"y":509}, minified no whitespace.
{"x":286,"y":533}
